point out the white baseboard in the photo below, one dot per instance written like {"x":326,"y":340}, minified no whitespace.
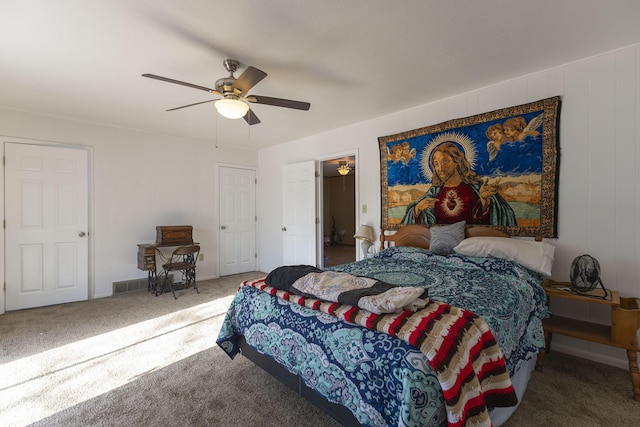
{"x":607,"y":360}
{"x":207,"y":278}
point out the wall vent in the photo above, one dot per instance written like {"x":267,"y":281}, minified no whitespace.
{"x":130,"y":286}
{"x":135,"y":285}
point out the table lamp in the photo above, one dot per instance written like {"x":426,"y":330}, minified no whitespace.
{"x":365,"y":233}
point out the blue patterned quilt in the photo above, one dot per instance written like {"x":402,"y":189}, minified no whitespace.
{"x":381,"y":379}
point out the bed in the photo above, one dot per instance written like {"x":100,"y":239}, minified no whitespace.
{"x":363,"y":376}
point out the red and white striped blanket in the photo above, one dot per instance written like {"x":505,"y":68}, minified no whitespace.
{"x":457,"y":343}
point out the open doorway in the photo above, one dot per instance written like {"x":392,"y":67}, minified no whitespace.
{"x":338,"y":211}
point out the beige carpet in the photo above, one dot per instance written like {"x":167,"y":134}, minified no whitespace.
{"x":139,"y":360}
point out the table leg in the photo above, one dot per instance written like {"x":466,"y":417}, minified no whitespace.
{"x":151,"y":281}
{"x":635,"y":374}
{"x":544,"y":351}
{"x":540,"y":359}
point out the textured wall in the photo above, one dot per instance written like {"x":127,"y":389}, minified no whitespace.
{"x":599,"y":188}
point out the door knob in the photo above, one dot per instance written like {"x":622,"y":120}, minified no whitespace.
{"x":284,"y":228}
{"x":223,"y":227}
{"x":82,"y":233}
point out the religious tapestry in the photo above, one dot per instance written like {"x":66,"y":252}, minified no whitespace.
{"x":498,"y":169}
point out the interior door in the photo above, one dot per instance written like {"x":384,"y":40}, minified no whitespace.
{"x":237,"y":220}
{"x":299,"y":227}
{"x":46,"y":212}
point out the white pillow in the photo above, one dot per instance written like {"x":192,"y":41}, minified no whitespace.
{"x":537,"y":256}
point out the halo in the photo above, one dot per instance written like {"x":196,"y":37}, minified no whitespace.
{"x":462,"y":141}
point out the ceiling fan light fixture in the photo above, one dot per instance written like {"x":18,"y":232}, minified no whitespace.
{"x":231,"y":108}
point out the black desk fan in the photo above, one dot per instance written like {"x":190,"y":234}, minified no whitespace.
{"x":585,"y":276}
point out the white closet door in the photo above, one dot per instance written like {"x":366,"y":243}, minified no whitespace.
{"x":299,"y":224}
{"x":237,"y":220}
{"x":46,"y":199}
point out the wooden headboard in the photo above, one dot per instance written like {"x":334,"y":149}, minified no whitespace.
{"x":419,"y":236}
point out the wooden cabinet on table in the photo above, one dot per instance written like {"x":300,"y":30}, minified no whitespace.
{"x":623,"y":333}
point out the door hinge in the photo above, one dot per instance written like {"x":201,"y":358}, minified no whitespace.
{"x":255,"y":255}
{"x":317,"y":174}
{"x":256,"y":218}
{"x":256,"y":179}
{"x":317,"y":220}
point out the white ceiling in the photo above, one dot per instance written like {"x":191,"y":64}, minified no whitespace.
{"x":352,"y":60}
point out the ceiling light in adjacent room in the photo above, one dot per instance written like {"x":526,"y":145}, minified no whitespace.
{"x":344,"y":168}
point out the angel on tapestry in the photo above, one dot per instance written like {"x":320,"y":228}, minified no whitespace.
{"x":515,"y":129}
{"x":401,"y":153}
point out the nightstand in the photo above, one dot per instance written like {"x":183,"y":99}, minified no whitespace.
{"x":623,"y":332}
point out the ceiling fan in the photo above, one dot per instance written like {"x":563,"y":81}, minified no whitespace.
{"x":234,"y":93}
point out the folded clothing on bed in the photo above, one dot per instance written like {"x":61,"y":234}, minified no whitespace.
{"x":284,"y":277}
{"x":368,"y":294}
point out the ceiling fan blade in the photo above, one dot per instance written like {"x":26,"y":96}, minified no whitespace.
{"x":191,"y":105}
{"x":167,"y":79}
{"x":279,"y":102}
{"x":251,"y":117}
{"x":249,"y":78}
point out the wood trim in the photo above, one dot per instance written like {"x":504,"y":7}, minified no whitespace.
{"x":419,"y":236}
